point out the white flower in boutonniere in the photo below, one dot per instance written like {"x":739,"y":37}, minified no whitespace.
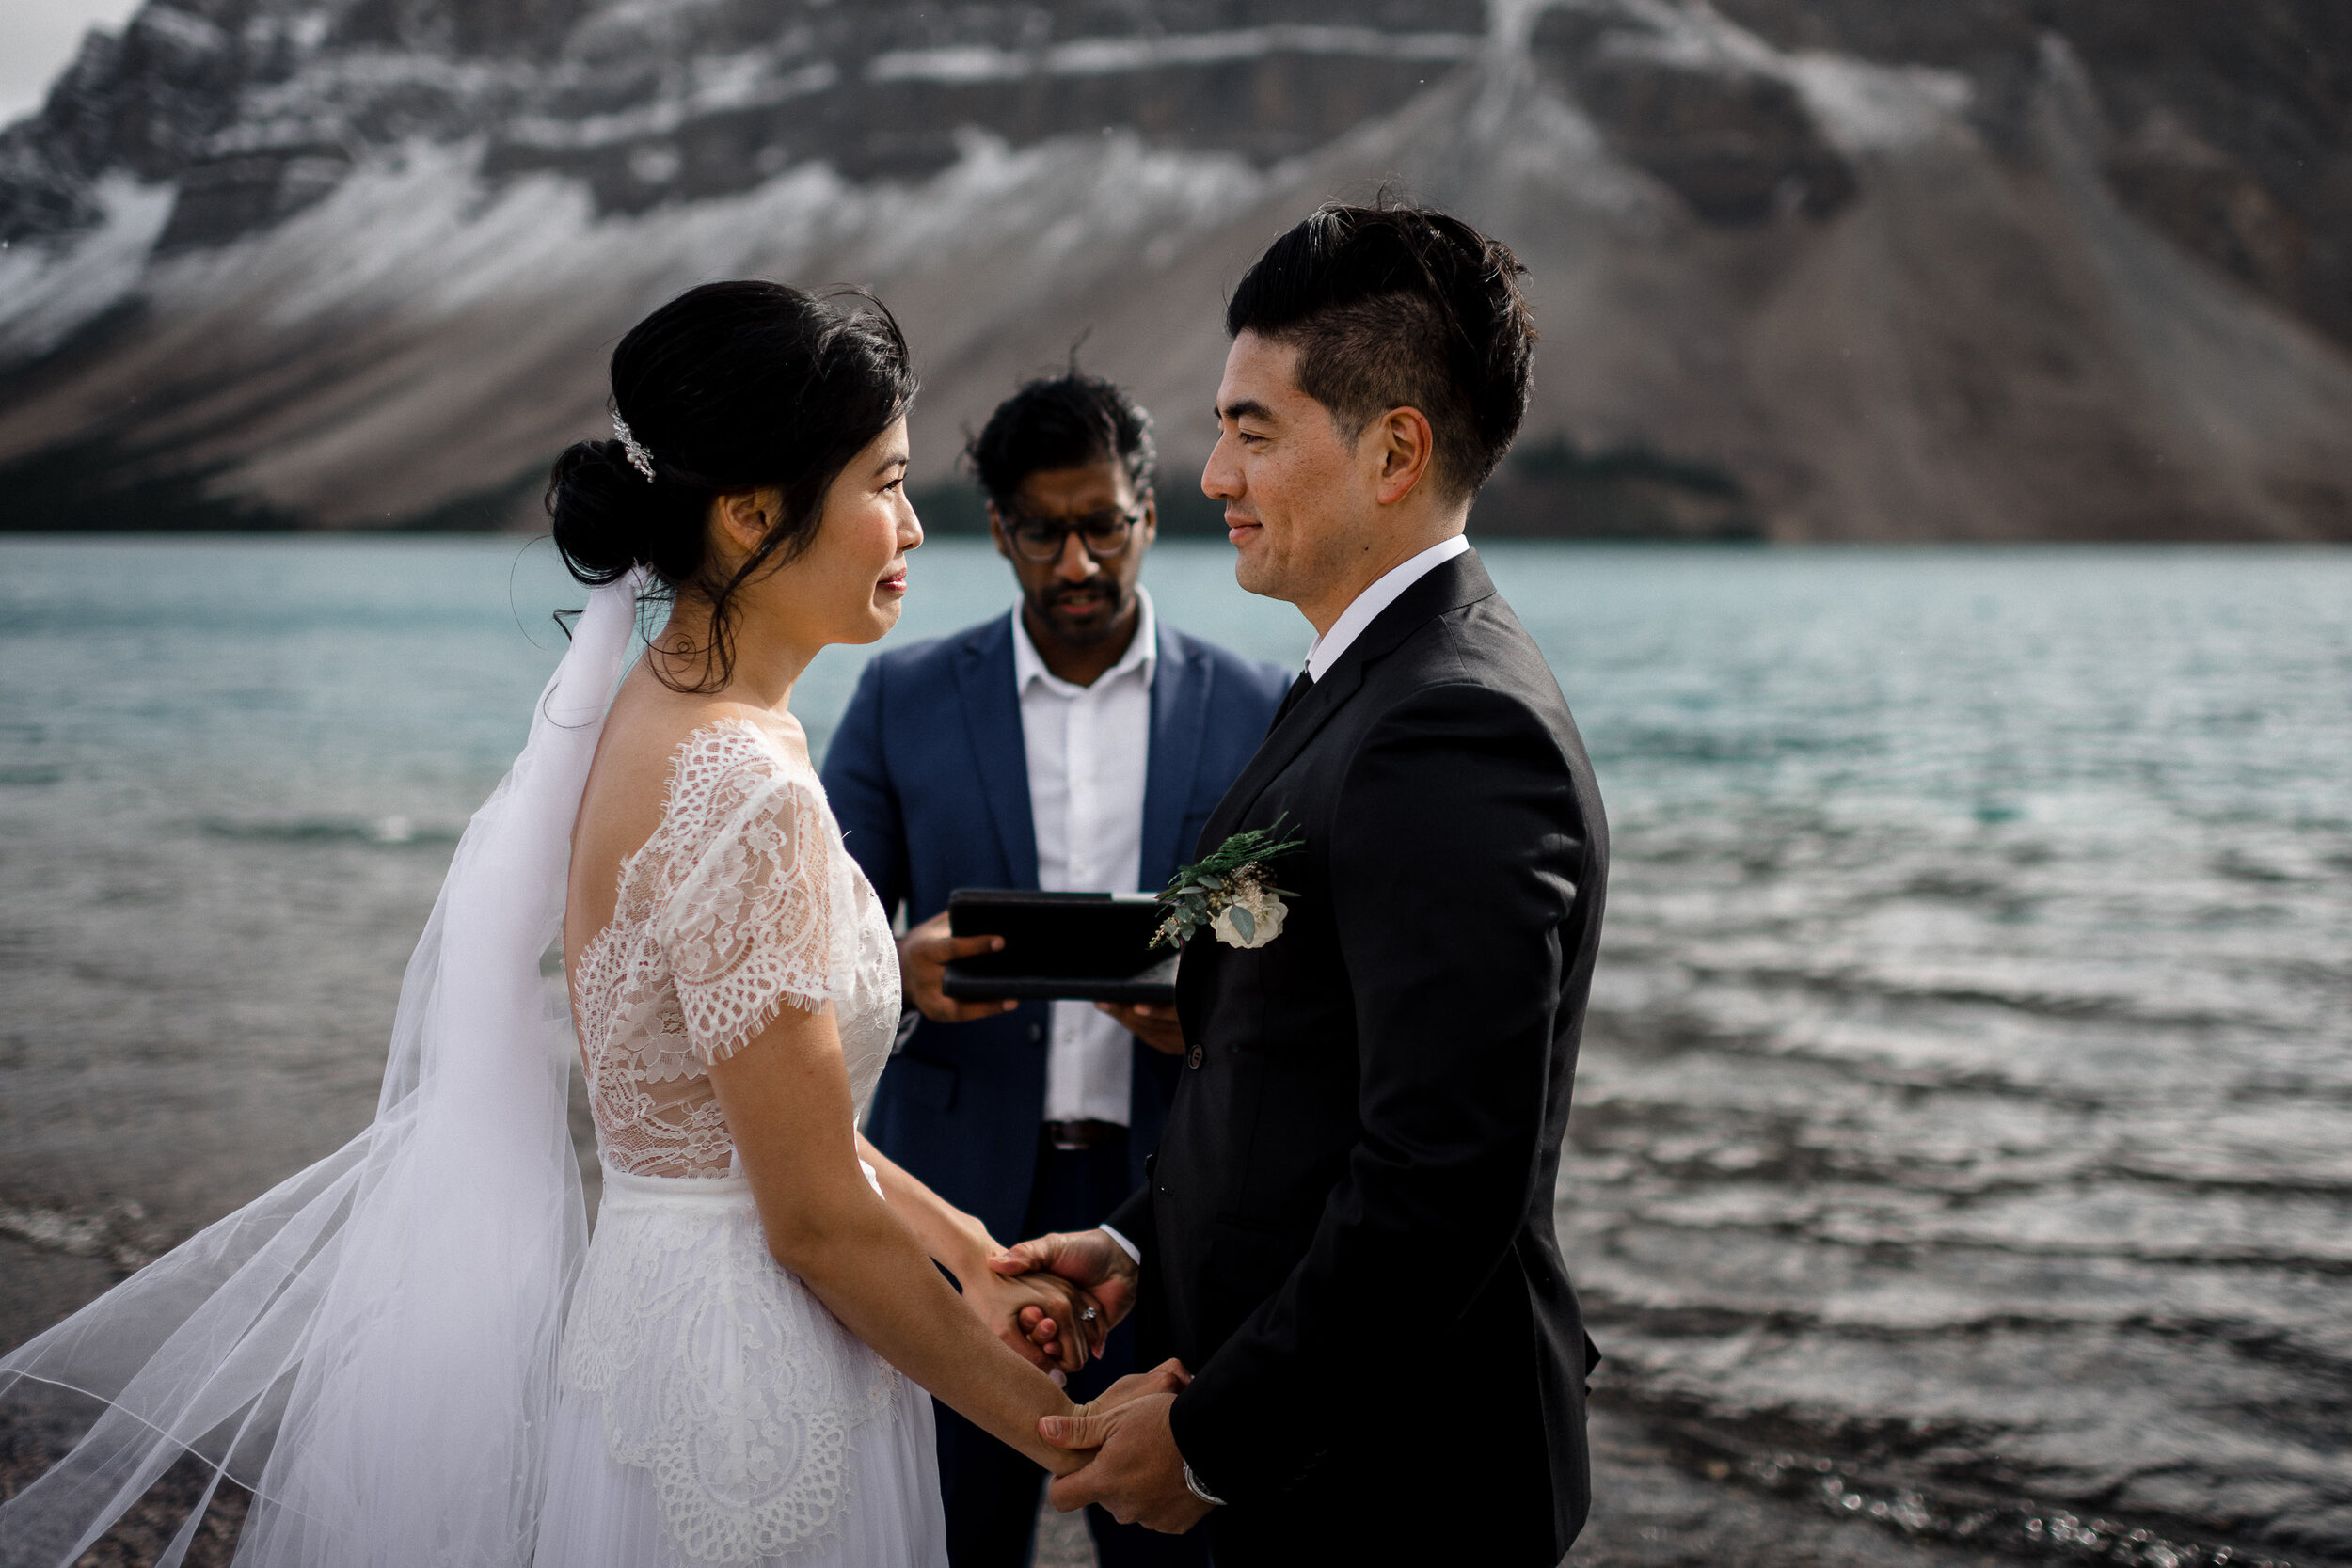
{"x":1255,"y":915}
{"x":1231,"y":892}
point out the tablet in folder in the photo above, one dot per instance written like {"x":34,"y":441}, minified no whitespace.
{"x":1060,"y":947}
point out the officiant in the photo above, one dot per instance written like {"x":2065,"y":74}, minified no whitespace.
{"x":1077,"y":742}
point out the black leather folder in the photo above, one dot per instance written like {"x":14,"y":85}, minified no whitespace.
{"x":1060,"y":947}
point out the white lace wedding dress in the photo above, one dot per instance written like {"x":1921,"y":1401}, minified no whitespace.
{"x":711,"y":1410}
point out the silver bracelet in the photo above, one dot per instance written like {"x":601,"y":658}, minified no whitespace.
{"x":1192,"y":1484}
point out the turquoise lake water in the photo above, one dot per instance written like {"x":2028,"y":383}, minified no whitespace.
{"x":1964,"y":1130}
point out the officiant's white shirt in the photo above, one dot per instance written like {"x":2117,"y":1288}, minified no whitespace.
{"x":1089,"y":750}
{"x":1367,"y":604}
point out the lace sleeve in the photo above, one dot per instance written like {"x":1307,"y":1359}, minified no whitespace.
{"x":765,"y":915}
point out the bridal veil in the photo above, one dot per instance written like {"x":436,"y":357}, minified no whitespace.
{"x":372,"y":1346}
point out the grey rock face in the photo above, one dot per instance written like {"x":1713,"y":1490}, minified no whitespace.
{"x":144,"y":104}
{"x":258,"y":108}
{"x":2232,"y":123}
{"x":1735,"y":142}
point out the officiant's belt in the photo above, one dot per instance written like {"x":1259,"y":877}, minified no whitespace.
{"x":1084,"y":1135}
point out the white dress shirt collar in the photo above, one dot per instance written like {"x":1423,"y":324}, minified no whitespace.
{"x":1142,"y":653}
{"x":1372,"y":600}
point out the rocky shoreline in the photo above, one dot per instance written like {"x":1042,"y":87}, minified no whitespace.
{"x":1661,"y":1500}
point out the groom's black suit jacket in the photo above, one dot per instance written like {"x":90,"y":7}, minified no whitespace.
{"x":1348,"y":1234}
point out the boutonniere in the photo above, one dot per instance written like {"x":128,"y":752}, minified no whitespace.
{"x":1231,"y":892}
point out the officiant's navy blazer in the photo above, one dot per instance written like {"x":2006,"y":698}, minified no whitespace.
{"x":929,"y":779}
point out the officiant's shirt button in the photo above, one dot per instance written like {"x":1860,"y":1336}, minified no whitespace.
{"x":1194,"y":1060}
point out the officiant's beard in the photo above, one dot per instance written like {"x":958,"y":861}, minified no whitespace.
{"x":1090,"y":630}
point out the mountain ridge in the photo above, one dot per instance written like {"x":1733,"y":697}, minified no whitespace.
{"x":1803,"y":273}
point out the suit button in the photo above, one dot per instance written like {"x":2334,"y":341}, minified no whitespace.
{"x":1193,"y":1060}
{"x":1037,"y":1033}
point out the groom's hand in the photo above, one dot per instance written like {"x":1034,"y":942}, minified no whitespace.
{"x":1169,"y":1377}
{"x":1137,"y":1471}
{"x":924,"y":954}
{"x":1087,"y":1259}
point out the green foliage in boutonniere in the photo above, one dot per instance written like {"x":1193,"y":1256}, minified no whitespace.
{"x":1231,"y":892}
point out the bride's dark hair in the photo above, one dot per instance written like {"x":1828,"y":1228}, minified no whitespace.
{"x":729,"y":387}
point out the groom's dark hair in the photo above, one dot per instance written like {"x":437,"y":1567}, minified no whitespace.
{"x":1394,"y":305}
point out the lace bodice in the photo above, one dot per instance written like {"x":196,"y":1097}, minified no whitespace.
{"x":741,"y":902}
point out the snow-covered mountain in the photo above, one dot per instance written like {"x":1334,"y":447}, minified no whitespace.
{"x":1826,"y":269}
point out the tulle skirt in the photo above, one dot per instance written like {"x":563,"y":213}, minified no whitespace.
{"x":713,"y":1412}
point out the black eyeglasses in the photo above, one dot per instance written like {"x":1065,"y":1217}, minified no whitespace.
{"x":1104,"y":534}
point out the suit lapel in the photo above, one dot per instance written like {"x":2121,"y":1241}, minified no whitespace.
{"x":1448,"y":586}
{"x":1287,"y":739}
{"x":992,"y":722}
{"x":1179,"y":716}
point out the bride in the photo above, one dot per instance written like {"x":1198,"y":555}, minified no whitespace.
{"x":406,"y":1351}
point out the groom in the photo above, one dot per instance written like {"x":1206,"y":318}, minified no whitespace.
{"x":1348,"y":1233}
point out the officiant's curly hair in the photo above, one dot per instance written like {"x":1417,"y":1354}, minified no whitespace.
{"x":1396,"y":305}
{"x":1062,"y":421}
{"x":729,"y":387}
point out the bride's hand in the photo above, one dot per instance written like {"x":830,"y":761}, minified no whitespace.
{"x":1037,"y":1314}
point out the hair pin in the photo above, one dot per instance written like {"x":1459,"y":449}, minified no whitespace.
{"x":639,"y":458}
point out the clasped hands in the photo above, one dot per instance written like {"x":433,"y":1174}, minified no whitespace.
{"x":1131,"y":1465}
{"x":1055,"y":1298}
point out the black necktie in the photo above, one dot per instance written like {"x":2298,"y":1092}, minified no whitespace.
{"x":1291,"y":699}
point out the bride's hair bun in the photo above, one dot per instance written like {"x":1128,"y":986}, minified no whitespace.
{"x":607,"y":519}
{"x":729,"y":387}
